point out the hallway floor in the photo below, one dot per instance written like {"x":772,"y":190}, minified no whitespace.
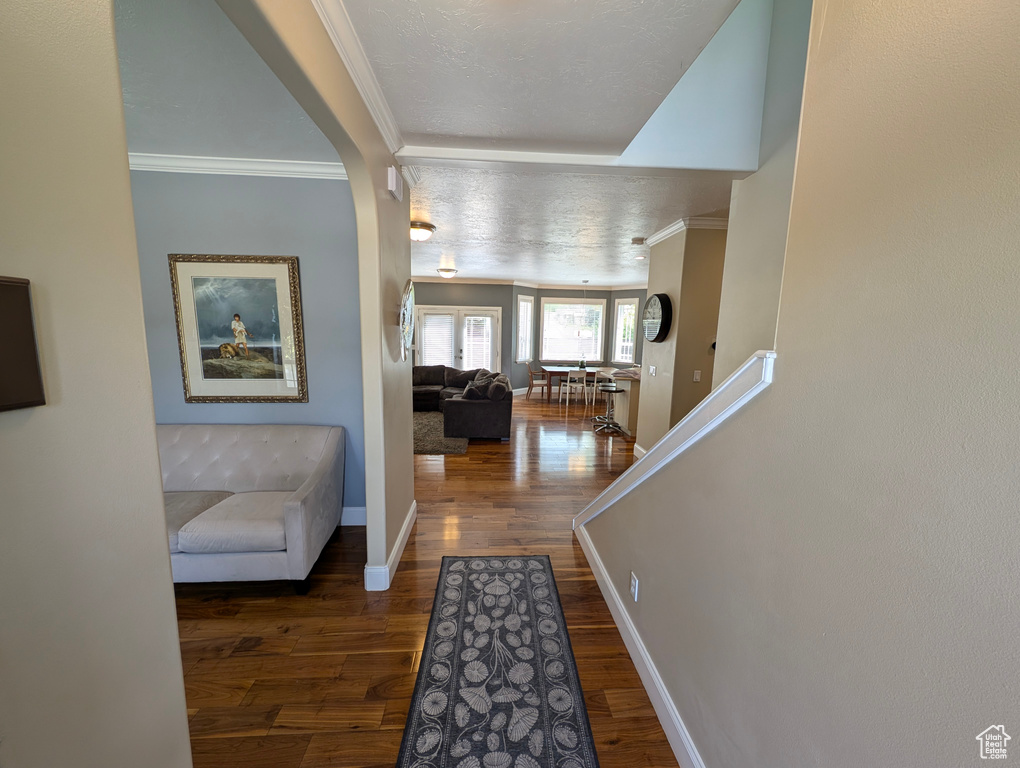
{"x":287,"y":681}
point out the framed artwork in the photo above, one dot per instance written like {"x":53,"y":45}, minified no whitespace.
{"x":239,"y":328}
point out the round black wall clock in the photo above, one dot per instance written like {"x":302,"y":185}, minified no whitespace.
{"x":657,"y":317}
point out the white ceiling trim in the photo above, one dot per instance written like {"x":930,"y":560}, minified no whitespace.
{"x":692,"y":222}
{"x":411,"y":175}
{"x":703,"y":222}
{"x":551,"y":162}
{"x":458,"y":155}
{"x":235,"y":166}
{"x":536,"y":286}
{"x":338,"y":24}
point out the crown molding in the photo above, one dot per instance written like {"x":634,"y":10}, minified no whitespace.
{"x":520,"y":284}
{"x":411,"y":175}
{"x":338,"y":24}
{"x":667,"y":231}
{"x":703,"y":222}
{"x":691,"y":222}
{"x":235,"y":166}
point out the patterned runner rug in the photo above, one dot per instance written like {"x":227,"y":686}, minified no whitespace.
{"x":498,"y":685}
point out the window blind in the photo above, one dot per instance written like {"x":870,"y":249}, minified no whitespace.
{"x":437,"y":339}
{"x":626,"y":325}
{"x":571,"y":331}
{"x":477,"y":342}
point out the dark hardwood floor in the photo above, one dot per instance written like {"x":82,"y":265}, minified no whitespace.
{"x":286,"y":681}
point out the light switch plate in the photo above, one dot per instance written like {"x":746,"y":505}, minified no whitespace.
{"x":697,"y":375}
{"x":633,"y":585}
{"x":651,"y":370}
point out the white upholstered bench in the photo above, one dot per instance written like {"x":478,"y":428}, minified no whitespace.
{"x":249,"y":502}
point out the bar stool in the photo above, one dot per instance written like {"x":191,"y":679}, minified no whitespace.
{"x":608,"y":423}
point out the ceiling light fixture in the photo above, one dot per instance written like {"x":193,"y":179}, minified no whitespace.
{"x":446,"y":272}
{"x":638,"y":241}
{"x":421,"y":231}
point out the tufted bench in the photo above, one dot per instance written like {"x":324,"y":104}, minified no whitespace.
{"x":249,"y":502}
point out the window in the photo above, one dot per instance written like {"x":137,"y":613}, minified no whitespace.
{"x":572,"y":329}
{"x":460,"y":337}
{"x":625,"y":330}
{"x":525,"y":328}
{"x":435,"y":338}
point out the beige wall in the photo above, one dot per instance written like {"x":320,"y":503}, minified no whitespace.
{"x":90,"y":666}
{"x":697,"y":319}
{"x":665,"y":274}
{"x":293,"y":41}
{"x":760,"y":204}
{"x":829,"y":578}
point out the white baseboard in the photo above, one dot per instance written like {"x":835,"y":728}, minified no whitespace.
{"x":639,"y":451}
{"x":354,"y":516}
{"x":520,"y":391}
{"x":679,"y":737}
{"x":379,"y":577}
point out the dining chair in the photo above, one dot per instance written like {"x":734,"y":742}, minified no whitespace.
{"x":572,"y":381}
{"x":601,"y":378}
{"x":539,"y":379}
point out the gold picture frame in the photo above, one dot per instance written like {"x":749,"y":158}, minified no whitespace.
{"x":239,"y":328}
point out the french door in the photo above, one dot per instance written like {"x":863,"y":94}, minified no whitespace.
{"x":460,"y":337}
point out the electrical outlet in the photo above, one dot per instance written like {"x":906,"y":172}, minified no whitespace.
{"x":651,"y":370}
{"x":633,"y":585}
{"x":697,"y":375}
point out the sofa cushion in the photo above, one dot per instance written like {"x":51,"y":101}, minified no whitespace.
{"x":428,"y":374}
{"x":184,"y":506}
{"x":245,"y":522}
{"x":459,"y":379}
{"x":483,"y":373}
{"x":239,"y":457}
{"x":499,"y":387}
{"x":449,"y":392}
{"x":477,"y":390}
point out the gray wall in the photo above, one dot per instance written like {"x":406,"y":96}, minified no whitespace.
{"x":479,"y":295}
{"x":830,"y":577}
{"x":505,"y":296}
{"x":520,"y":370}
{"x":312,"y":219}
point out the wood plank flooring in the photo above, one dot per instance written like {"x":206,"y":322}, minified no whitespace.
{"x":280,"y":680}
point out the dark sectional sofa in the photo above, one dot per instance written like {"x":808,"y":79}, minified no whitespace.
{"x":475,"y":404}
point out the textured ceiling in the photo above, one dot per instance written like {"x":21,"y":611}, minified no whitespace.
{"x":194,"y":86}
{"x":539,"y":75}
{"x":553,"y":228}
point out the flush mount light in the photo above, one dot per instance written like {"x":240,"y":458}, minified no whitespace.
{"x":638,"y":241}
{"x":446,"y":272}
{"x":421,"y":231}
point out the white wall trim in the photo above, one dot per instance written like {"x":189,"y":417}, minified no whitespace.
{"x":552,"y":162}
{"x":411,"y":175}
{"x":691,"y":222}
{"x":519,"y":284}
{"x":235,"y":166}
{"x":639,"y":451}
{"x":338,"y":24}
{"x":354,"y":516}
{"x":521,"y":390}
{"x":665,"y":709}
{"x":667,"y":231}
{"x":725,"y":400}
{"x":704,"y":222}
{"x":379,"y":577}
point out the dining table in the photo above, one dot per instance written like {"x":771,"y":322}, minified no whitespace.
{"x":559,"y":371}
